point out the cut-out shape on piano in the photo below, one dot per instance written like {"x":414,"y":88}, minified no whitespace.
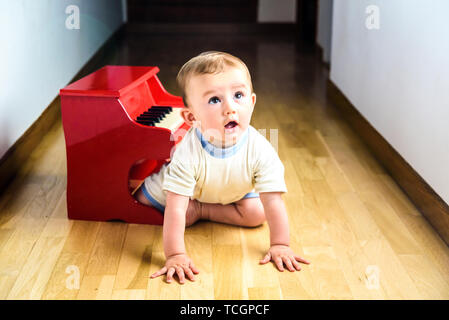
{"x":120,"y":125}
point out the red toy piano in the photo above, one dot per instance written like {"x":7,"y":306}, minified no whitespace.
{"x":120,"y":125}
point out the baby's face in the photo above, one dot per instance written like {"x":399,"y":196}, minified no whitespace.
{"x":221,"y":104}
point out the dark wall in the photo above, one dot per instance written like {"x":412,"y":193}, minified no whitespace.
{"x":307,"y":18}
{"x":192,"y":11}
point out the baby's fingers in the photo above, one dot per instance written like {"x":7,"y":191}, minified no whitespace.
{"x":159,"y":273}
{"x":295,"y":264}
{"x":288,"y":263}
{"x":189,"y":273}
{"x":298,"y":258}
{"x":279,"y":264}
{"x":266,"y":259}
{"x":180,"y":273}
{"x":170,"y":273}
{"x":194,"y":269}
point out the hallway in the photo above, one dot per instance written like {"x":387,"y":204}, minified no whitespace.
{"x":347,"y":216}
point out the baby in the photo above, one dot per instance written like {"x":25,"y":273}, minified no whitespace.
{"x":223,"y":170}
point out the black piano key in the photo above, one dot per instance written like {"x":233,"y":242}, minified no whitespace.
{"x":153,"y":114}
{"x":146,"y":123}
{"x":149,"y":117}
{"x":155,"y":120}
{"x":161,"y":108}
{"x":159,"y":111}
{"x":159,"y":116}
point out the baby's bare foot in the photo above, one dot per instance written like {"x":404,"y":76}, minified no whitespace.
{"x":193,"y":212}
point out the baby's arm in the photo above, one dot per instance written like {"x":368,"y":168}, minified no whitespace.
{"x":173,"y":238}
{"x":280,"y":251}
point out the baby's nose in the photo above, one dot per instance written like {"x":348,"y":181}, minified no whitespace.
{"x":230,"y":111}
{"x":230,"y":107}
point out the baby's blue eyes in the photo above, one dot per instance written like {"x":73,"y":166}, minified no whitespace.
{"x":238,"y":95}
{"x":215,"y":100}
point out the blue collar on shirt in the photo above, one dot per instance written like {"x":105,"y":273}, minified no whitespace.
{"x":221,"y":152}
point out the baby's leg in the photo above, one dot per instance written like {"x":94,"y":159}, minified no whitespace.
{"x":246,"y":212}
{"x":140,"y":196}
{"x":193,"y":213}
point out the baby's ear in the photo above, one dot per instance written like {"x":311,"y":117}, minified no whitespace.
{"x":188,"y":116}
{"x":253,"y":99}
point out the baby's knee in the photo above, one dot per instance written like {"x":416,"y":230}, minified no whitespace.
{"x":140,"y":196}
{"x":252,"y":212}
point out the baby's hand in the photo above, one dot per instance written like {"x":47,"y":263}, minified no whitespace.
{"x":179,"y":263}
{"x":281,"y":254}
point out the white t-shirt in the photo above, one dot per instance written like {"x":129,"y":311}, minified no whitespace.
{"x":202,"y":171}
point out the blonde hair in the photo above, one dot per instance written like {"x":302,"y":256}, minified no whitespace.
{"x":210,"y":62}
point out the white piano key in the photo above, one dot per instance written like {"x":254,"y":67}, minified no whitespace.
{"x":172,"y":120}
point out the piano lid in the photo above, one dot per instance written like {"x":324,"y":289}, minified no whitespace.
{"x":110,"y":81}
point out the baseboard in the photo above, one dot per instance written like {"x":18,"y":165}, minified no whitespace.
{"x":321,"y":55}
{"x":16,"y":156}
{"x":428,"y":202}
{"x":212,"y":28}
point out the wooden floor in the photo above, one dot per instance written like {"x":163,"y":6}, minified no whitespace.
{"x":347,"y":216}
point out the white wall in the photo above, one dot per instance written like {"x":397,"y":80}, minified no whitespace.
{"x":324,"y":32}
{"x":283,"y":11}
{"x":398,"y":77}
{"x":39,"y":55}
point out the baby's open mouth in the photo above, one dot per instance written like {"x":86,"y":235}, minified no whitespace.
{"x":231,"y":125}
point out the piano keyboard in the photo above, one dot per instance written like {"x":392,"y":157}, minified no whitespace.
{"x":161,"y":116}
